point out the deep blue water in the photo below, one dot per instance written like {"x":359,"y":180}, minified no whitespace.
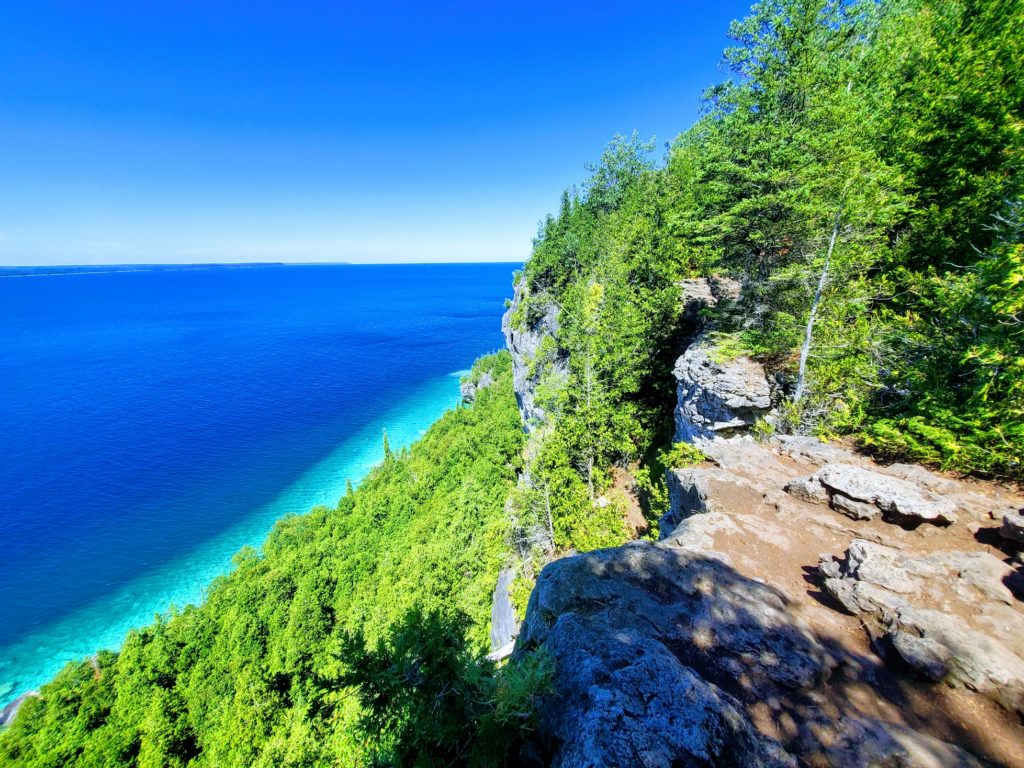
{"x":153,"y":422}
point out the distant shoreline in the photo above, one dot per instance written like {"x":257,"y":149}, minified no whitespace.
{"x":86,"y":269}
{"x":75,"y":269}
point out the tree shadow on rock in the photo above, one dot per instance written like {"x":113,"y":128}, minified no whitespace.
{"x":667,"y":657}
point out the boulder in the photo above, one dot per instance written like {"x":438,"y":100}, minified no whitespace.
{"x":950,"y":615}
{"x":630,"y":630}
{"x":862,"y":494}
{"x":924,"y":655}
{"x":667,"y":656}
{"x":976,"y":659}
{"x":630,"y":701}
{"x":1012,"y":528}
{"x":717,"y":397}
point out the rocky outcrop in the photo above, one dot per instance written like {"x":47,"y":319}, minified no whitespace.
{"x":700,"y":490}
{"x":1012,"y":528}
{"x":504,"y":626}
{"x":665,"y":657}
{"x":630,"y":630}
{"x":469,"y":387}
{"x":863,"y":494}
{"x":717,"y":397}
{"x":532,"y":342}
{"x":949,"y":615}
{"x":731,"y":641}
{"x":700,"y":293}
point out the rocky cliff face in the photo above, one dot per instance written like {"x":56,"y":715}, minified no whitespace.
{"x":875,"y":620}
{"x":718,"y":395}
{"x":532,"y":342}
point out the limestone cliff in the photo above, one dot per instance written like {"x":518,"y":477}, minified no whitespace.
{"x":532,"y":339}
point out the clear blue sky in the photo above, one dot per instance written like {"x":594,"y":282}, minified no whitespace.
{"x":313,"y":131}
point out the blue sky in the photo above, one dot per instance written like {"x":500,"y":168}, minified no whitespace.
{"x":307,"y":131}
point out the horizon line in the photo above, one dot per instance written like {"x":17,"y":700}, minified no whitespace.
{"x":190,"y":264}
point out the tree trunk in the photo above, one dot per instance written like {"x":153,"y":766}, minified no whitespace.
{"x":551,"y":528}
{"x":801,"y":378}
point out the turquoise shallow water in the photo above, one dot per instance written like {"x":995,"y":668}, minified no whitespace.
{"x":161,"y":422}
{"x":104,"y":622}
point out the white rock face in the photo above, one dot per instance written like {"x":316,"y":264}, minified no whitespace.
{"x":524,"y":344}
{"x":717,"y":399}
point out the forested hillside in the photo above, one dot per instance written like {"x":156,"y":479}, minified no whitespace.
{"x":857,"y":172}
{"x":255,"y":676}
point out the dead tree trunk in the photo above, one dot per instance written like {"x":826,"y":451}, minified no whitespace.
{"x":801,"y":377}
{"x":551,"y":528}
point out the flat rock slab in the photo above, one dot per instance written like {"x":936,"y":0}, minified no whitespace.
{"x":701,"y":490}
{"x":950,"y":615}
{"x":862,"y":494}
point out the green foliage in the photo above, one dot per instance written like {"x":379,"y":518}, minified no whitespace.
{"x":762,"y":431}
{"x":520,"y":592}
{"x":859,"y":171}
{"x":649,"y":478}
{"x":681,"y":455}
{"x":496,"y":365}
{"x":429,"y":700}
{"x":255,"y":676}
{"x":577,"y":522}
{"x":962,"y":402}
{"x":728,"y":346}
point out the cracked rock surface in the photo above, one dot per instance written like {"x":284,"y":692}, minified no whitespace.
{"x":769,"y":627}
{"x":950,"y":615}
{"x":863,"y":493}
